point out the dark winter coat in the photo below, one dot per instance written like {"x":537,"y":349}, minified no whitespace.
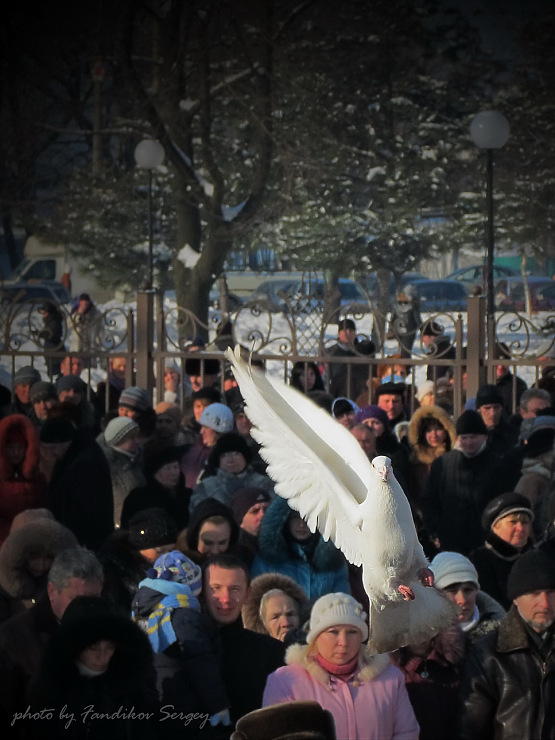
{"x":126,"y":684}
{"x":491,"y":613}
{"x":442,"y":349}
{"x":494,"y":561}
{"x":86,"y":329}
{"x":318,"y":567}
{"x":155,"y":496}
{"x":23,"y":487}
{"x":188,"y":673}
{"x":52,"y":335}
{"x":503,"y":437}
{"x":456,"y":493}
{"x":387,"y":444}
{"x":124,"y":568}
{"x":433,"y":682}
{"x":508,"y":685}
{"x":247,"y":660}
{"x":347,"y":380}
{"x":80,"y":492}
{"x":23,"y":639}
{"x":505,"y":385}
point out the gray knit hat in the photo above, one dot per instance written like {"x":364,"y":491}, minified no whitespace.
{"x":70,"y":383}
{"x":135,"y":398}
{"x":42,"y":391}
{"x":333,"y":609}
{"x":119,"y":429}
{"x":26,"y":374}
{"x":452,"y":567}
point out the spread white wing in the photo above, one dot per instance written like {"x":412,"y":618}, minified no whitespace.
{"x":317,"y":465}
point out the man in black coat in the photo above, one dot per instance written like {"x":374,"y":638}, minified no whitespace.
{"x":510,"y":674}
{"x":436,"y":344}
{"x":248,"y":658}
{"x":80,"y":489}
{"x":459,"y":486}
{"x":350,"y":380}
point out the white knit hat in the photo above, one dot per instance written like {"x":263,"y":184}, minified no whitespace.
{"x":119,"y":429}
{"x":218,"y":417}
{"x":428,"y":386}
{"x":334,"y":609}
{"x":452,"y":567}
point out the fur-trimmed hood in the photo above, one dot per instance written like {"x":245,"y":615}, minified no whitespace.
{"x":274,"y":547}
{"x":87,"y":623}
{"x":261,"y":585}
{"x":30,"y":465}
{"x":41,"y":538}
{"x":421,"y":452}
{"x":369,"y":666}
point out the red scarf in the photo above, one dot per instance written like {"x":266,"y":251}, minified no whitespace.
{"x":340,"y":671}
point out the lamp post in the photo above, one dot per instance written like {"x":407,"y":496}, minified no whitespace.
{"x":489,"y":130}
{"x":149,"y":154}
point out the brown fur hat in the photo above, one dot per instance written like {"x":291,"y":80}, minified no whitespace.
{"x":261,"y":585}
{"x":295,"y":720}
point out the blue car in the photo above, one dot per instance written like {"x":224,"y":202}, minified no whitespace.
{"x":440,"y":295}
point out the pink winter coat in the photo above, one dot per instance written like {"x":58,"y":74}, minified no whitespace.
{"x":372,"y":706}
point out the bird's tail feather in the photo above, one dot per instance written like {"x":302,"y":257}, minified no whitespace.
{"x":410,"y":622}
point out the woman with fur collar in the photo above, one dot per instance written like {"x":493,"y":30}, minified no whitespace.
{"x":22,"y":485}
{"x":366,"y":694}
{"x":431,"y":434}
{"x":25,"y":559}
{"x":98,"y":669}
{"x":287,"y":546}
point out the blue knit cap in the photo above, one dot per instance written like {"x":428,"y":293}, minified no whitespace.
{"x":174,"y":566}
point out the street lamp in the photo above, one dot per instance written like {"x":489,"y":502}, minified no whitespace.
{"x":149,"y":154}
{"x":489,"y":130}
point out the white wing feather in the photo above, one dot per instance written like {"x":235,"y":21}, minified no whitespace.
{"x":316,"y":463}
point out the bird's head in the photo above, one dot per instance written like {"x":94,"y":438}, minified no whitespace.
{"x":382,"y":466}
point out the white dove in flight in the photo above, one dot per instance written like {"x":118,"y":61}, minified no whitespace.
{"x":319,"y":467}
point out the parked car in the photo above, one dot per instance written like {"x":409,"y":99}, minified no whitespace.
{"x":308,"y":295}
{"x":233,"y":300}
{"x":474,"y":276}
{"x":510,"y":295}
{"x":371,"y":281}
{"x":44,"y":290}
{"x":440,"y":295}
{"x":270,"y":291}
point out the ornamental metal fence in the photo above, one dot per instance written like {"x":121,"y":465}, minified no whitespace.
{"x":151,"y":332}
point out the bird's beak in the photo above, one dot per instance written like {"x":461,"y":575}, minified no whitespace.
{"x":382,"y":471}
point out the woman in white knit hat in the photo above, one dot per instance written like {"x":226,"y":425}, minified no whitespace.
{"x":365,"y":693}
{"x":456,"y":576}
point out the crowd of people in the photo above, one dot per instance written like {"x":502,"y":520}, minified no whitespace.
{"x":151,"y":581}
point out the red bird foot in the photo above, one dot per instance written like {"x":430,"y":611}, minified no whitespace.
{"x":406,"y":592}
{"x":426,"y":577}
